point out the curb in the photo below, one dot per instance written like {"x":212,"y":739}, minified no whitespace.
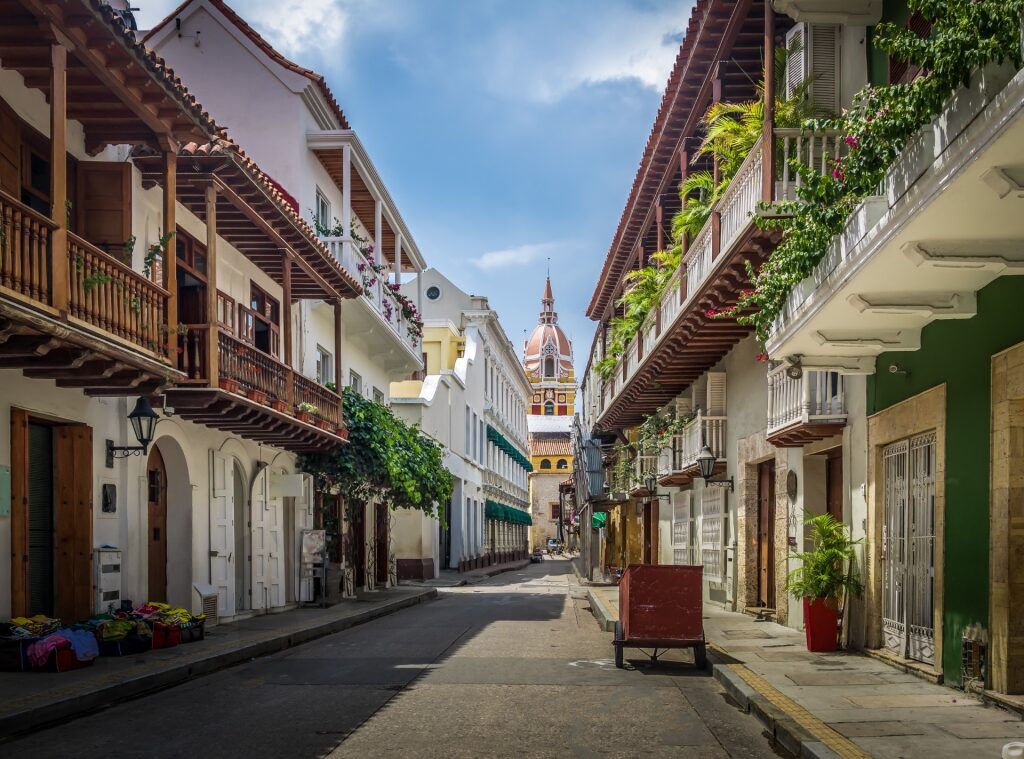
{"x":786,"y":732}
{"x":107,"y":695}
{"x":605,"y":617}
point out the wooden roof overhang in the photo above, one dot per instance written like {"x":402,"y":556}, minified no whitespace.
{"x":695,"y":342}
{"x":228,"y":412}
{"x":725,"y":41}
{"x":367,"y":186}
{"x":254,"y":218}
{"x":75,"y":357}
{"x":121,"y":93}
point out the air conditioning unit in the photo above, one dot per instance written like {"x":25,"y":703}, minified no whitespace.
{"x":814,"y":56}
{"x":107,"y":587}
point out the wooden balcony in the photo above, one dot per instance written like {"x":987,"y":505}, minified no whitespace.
{"x":78,"y":315}
{"x":679,"y":465}
{"x":804,"y":409}
{"x":645,"y":465}
{"x":256,"y":396}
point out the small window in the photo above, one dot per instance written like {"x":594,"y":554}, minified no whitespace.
{"x":323,"y":209}
{"x":556,"y":511}
{"x":549,"y":408}
{"x":324,"y":365}
{"x":433,"y":292}
{"x":545,"y":464}
{"x":549,"y":366}
{"x":562,"y":464}
{"x":226,"y":312}
{"x":378,"y":396}
{"x":355,"y":382}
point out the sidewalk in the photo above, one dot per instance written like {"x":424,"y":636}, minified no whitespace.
{"x":449,"y":578}
{"x":31,"y":699}
{"x":841,"y":704}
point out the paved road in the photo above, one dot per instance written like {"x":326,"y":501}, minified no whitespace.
{"x":515,"y":666}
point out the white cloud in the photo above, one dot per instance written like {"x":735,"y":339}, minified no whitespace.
{"x":517,"y":256}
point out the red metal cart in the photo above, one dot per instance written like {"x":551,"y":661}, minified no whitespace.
{"x":661,"y":607}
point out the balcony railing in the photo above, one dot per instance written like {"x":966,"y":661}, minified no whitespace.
{"x":101,"y":291}
{"x":375,"y":287}
{"x":818,"y":150}
{"x":327,"y":403}
{"x":687,"y":444}
{"x":815,"y":397}
{"x":111,"y":296}
{"x":645,"y":465}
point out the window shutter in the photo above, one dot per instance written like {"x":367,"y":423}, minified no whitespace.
{"x":682,"y":523}
{"x":104,"y":205}
{"x":796,"y":62}
{"x":823,"y":54}
{"x":715,"y":394}
{"x":712,"y":508}
{"x":10,"y":139}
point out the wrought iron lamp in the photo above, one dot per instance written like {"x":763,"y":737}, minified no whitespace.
{"x":706,"y":464}
{"x":652,"y":486}
{"x":143,"y":419}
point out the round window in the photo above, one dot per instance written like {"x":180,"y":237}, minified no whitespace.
{"x":433,"y":292}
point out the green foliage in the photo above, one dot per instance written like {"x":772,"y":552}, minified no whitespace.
{"x":829,"y":571}
{"x":385,"y":461}
{"x":156,"y":250}
{"x":966,"y":35}
{"x":656,"y":430}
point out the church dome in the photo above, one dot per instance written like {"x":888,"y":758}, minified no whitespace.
{"x":548,"y":352}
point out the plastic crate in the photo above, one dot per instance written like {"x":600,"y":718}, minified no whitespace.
{"x":194,"y":632}
{"x":14,"y":654}
{"x":165,"y":636}
{"x":64,"y":660}
{"x":127,"y":646}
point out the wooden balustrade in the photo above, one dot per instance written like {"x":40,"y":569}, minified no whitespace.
{"x":111,"y":296}
{"x":816,"y":150}
{"x":251,"y":368}
{"x":328,"y":403}
{"x":192,"y":351}
{"x":25,"y":250}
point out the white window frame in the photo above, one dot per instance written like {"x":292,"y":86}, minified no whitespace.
{"x":324,"y":365}
{"x":322,"y":205}
{"x":378,"y":396}
{"x":355,"y":381}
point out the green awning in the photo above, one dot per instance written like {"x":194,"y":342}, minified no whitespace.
{"x":493,"y":436}
{"x":502,"y":513}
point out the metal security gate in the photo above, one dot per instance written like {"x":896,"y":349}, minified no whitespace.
{"x":908,"y":548}
{"x":682,"y":528}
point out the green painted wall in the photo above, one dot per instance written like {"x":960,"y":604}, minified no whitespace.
{"x":958,"y":353}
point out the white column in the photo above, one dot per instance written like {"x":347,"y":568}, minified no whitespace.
{"x":419,"y":292}
{"x":378,"y":233}
{"x":398,"y":257}
{"x":346,"y":201}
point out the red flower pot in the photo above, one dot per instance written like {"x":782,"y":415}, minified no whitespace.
{"x":342,"y":432}
{"x":304,"y":416}
{"x":278,"y":405}
{"x":256,"y":396}
{"x":820,"y":623}
{"x":229,"y":385}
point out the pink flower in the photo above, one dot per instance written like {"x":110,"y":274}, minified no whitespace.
{"x":852,"y":141}
{"x":711,"y":313}
{"x":837,"y":173}
{"x":762,"y":357}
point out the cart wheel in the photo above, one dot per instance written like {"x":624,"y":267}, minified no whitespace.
{"x":617,"y":642}
{"x":700,"y":656}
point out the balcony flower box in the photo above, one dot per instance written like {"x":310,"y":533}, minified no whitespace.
{"x":229,"y":385}
{"x":278,"y":405}
{"x":256,"y":396}
{"x":325,"y":425}
{"x":342,"y":432}
{"x":304,"y":416}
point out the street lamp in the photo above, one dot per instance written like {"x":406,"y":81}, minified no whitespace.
{"x":143,"y":419}
{"x":652,"y":486}
{"x":706,"y":464}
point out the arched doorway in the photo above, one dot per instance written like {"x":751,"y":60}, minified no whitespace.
{"x":170,"y":549}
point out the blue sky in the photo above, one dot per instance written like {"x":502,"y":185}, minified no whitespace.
{"x":508,"y":131}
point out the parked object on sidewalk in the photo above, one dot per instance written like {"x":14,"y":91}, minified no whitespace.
{"x":825,"y":579}
{"x":537,"y":556}
{"x":661,"y":607}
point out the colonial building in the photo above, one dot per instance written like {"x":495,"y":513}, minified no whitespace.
{"x":291,"y":123}
{"x":889,"y":399}
{"x":547,"y":357}
{"x":145,"y":261}
{"x":472,"y":399}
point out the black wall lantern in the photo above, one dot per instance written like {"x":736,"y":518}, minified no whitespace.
{"x":706,"y":464}
{"x":652,"y":487}
{"x":143,"y":419}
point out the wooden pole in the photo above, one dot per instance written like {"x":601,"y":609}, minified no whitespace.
{"x":59,"y":176}
{"x":170,"y":177}
{"x":337,"y":344}
{"x":212,"y":305}
{"x":286,"y":327}
{"x":768,"y":141}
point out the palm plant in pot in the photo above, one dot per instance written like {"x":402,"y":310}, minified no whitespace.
{"x":825,"y":579}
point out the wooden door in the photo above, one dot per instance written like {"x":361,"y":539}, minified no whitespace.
{"x":358,"y":532}
{"x":648,"y":537}
{"x":73,"y":522}
{"x":766,"y":534}
{"x":41,"y":558}
{"x":834,"y":483}
{"x":156,"y":489}
{"x":104,"y":206}
{"x":258,"y":550}
{"x":222,"y":530}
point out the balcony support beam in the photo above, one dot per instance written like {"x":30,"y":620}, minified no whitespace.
{"x":213,"y":306}
{"x":337,"y":342}
{"x":286,"y":326}
{"x":768,"y":141}
{"x":60,"y":212}
{"x":170,"y":183}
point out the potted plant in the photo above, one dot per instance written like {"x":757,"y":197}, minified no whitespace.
{"x":304,"y":412}
{"x":229,"y":384}
{"x":826,"y":577}
{"x":342,"y":432}
{"x":279,"y":405}
{"x":256,"y":396}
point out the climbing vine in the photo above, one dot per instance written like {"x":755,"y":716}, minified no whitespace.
{"x":966,"y":35}
{"x":386,"y":461}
